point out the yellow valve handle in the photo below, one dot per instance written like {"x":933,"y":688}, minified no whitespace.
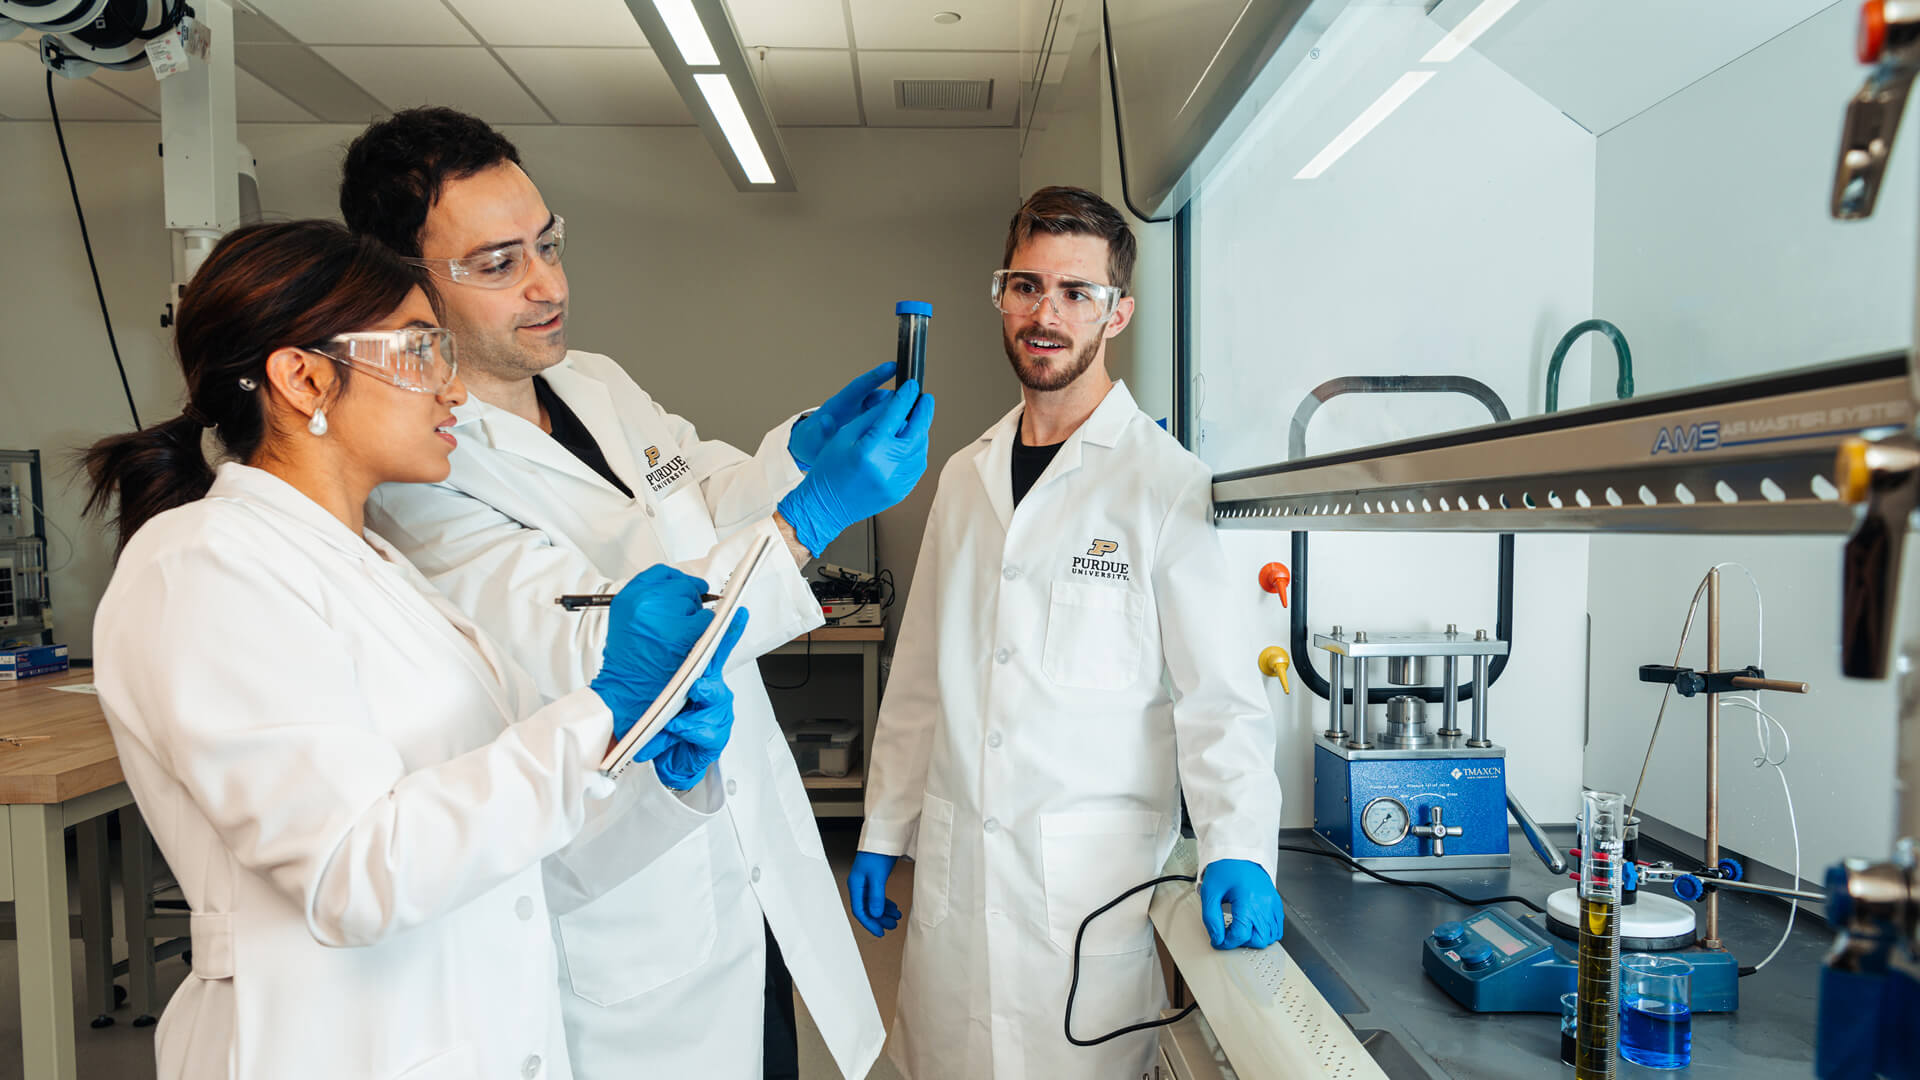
{"x":1274,"y":662}
{"x":1851,"y":472}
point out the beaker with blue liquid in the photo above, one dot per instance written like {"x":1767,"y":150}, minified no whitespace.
{"x":1656,"y":1015}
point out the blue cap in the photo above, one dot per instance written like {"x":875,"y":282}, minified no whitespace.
{"x":913,"y":307}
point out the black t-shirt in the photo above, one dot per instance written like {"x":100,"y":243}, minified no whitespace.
{"x":569,"y":432}
{"x":1028,"y":463}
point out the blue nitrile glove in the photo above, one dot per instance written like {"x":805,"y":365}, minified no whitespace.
{"x":651,"y":627}
{"x":1259,"y":915}
{"x":810,"y":433}
{"x":869,"y":464}
{"x":867,"y":890}
{"x":692,"y":740}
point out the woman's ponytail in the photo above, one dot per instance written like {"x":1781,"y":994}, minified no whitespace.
{"x":147,"y":472}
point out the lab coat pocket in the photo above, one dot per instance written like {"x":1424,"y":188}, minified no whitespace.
{"x":793,"y":803}
{"x":1094,"y":635}
{"x":1089,"y":858}
{"x":933,"y":862}
{"x":458,"y":1063}
{"x":646,"y":931}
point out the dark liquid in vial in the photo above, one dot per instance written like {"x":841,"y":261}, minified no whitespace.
{"x":1568,"y":1044}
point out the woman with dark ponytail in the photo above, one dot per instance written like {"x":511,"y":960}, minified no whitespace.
{"x":354,"y":787}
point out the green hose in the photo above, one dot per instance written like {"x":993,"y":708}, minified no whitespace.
{"x":1622,"y":390}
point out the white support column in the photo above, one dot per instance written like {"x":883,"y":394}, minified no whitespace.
{"x":201,"y":145}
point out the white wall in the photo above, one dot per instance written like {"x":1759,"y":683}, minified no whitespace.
{"x":1456,"y":239}
{"x":1073,"y":142}
{"x":1715,"y":254}
{"x":734,"y":310}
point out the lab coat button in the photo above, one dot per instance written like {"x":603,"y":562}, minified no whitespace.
{"x":1010,"y":573}
{"x":990,"y":825}
{"x":651,"y":512}
{"x":733,"y":787}
{"x":755,"y":875}
{"x":993,"y":739}
{"x":1003,"y":656}
{"x":523,"y":907}
{"x":532,"y":1067}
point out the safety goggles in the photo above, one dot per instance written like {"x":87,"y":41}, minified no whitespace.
{"x":418,"y":358}
{"x":1021,"y":292}
{"x":503,"y":267}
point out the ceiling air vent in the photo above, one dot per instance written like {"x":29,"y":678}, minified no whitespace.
{"x":943,"y":95}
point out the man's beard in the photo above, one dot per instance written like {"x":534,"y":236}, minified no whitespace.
{"x":508,"y":356}
{"x":1034,"y":377}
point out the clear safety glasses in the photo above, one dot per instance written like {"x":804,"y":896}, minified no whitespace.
{"x":1021,"y":292}
{"x":418,"y":358}
{"x":503,"y":267}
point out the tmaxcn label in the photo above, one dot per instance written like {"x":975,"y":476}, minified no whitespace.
{"x":1476,"y":772}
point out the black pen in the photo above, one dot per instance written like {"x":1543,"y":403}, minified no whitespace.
{"x":576,"y":601}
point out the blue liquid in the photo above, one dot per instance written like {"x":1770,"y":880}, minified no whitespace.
{"x":1657,"y":1034}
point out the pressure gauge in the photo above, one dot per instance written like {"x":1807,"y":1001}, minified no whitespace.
{"x":1386,"y":821}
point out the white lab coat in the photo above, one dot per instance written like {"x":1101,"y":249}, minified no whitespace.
{"x":1064,"y":669}
{"x":356,"y":791}
{"x":665,"y":973}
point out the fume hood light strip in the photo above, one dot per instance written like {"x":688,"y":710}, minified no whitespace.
{"x":1713,"y":468}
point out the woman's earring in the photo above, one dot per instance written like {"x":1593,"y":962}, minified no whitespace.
{"x":318,"y":425}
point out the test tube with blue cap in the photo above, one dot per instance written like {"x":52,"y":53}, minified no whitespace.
{"x":911,"y":362}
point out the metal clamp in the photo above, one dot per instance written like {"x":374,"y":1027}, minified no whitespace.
{"x":1437,"y":830}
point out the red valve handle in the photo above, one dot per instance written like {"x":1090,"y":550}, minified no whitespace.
{"x":1872,"y":40}
{"x":1275,"y":578}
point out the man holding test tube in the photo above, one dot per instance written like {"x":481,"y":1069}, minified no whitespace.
{"x":1071,"y":662}
{"x":568,"y":478}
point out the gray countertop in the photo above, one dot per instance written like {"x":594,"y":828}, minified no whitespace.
{"x":1359,"y":941}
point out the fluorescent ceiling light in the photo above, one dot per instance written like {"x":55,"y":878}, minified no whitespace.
{"x":689,"y":36}
{"x":1396,"y":95}
{"x":733,"y":124}
{"x":1471,"y":27}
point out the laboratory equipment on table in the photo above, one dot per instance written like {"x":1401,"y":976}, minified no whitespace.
{"x":1418,"y":792}
{"x":1603,"y":853}
{"x":26,"y":614}
{"x":1869,"y":1020}
{"x":911,"y":361}
{"x":1656,"y":1019}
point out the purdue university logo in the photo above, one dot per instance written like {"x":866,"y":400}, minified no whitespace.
{"x":653,"y":456}
{"x":661,"y":477}
{"x":1096,"y":563}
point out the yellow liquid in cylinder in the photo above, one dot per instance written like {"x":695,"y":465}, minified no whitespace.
{"x":1598,"y":982}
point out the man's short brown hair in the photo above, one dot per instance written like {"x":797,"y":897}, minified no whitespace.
{"x":1072,"y":211}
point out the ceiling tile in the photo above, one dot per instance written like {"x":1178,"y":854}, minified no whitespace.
{"x":299,"y":74}
{"x":790,"y":24}
{"x":258,"y":103}
{"x":367,"y":22}
{"x":878,"y":70}
{"x":600,"y":86}
{"x":807,"y":87}
{"x":560,"y":22}
{"x":470,"y":80}
{"x":23,"y":92}
{"x":984,"y":25}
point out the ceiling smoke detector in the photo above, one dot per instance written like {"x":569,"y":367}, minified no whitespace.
{"x":943,"y":95}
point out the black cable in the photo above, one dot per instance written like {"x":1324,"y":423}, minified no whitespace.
{"x":1746,"y":971}
{"x":1412,"y":884}
{"x":1073,"y":984}
{"x":87,"y":242}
